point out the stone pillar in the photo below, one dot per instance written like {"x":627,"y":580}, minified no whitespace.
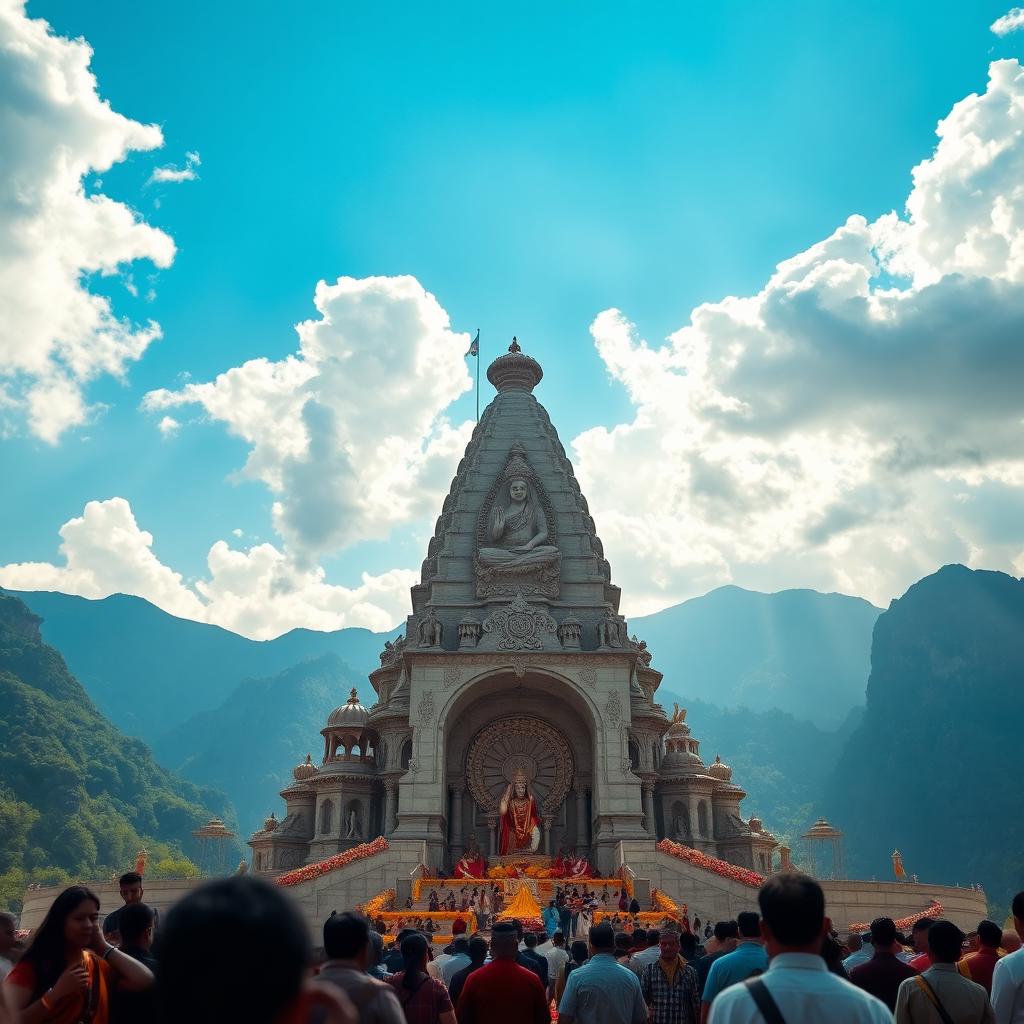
{"x":650,"y":822}
{"x":390,"y":805}
{"x":492,"y":826}
{"x":456,"y":841}
{"x":693,"y":801}
{"x":582,"y":839}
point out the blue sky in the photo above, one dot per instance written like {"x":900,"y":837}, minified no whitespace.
{"x":531,"y":168}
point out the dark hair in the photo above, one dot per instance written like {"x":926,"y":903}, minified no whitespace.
{"x":133,"y":921}
{"x":622,"y":942}
{"x":530,"y":940}
{"x":477,"y":950}
{"x":883,"y":932}
{"x":558,"y":939}
{"x":414,"y":949}
{"x":602,"y":937}
{"x":578,"y":951}
{"x":460,"y":945}
{"x":922,"y":924}
{"x":130,"y":878}
{"x":345,"y":936}
{"x":748,"y":923}
{"x":207,"y":947}
{"x":653,"y":936}
{"x":725,"y":930}
{"x":46,"y":952}
{"x":989,"y":933}
{"x":688,"y":944}
{"x":639,"y":937}
{"x":542,"y":937}
{"x":945,"y":942}
{"x":1017,"y":906}
{"x":793,"y":907}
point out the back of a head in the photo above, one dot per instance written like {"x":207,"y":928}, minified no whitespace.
{"x":793,"y":907}
{"x":653,"y":936}
{"x":1011,"y":941}
{"x":345,"y":936}
{"x":990,"y":934}
{"x":134,"y":919}
{"x":1017,"y":906}
{"x":414,"y":952}
{"x":504,"y":940}
{"x":688,"y":945}
{"x":853,"y":942}
{"x":460,"y":947}
{"x":578,"y":951}
{"x":530,"y":940}
{"x":945,"y":942}
{"x":622,"y":943}
{"x":477,"y":950}
{"x":376,"y":948}
{"x":602,"y":938}
{"x":542,"y":937}
{"x":724,"y":930}
{"x":749,"y":924}
{"x":233,"y":949}
{"x":883,"y":933}
{"x":558,"y":939}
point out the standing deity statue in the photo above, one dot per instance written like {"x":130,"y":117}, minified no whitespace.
{"x":520,"y":820}
{"x":609,"y":630}
{"x":431,"y":629}
{"x":353,"y":825}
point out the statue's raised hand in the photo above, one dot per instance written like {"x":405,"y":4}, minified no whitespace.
{"x":499,"y":520}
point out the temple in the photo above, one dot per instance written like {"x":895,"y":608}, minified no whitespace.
{"x":515,"y":665}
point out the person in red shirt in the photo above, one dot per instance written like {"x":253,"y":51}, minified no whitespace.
{"x":980,"y":965}
{"x":883,"y":974}
{"x":502,"y":992}
{"x":923,"y":960}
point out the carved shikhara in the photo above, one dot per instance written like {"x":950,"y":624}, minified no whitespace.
{"x":533,"y":578}
{"x":519,"y":626}
{"x":519,"y":742}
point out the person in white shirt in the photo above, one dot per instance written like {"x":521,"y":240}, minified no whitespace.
{"x":557,"y":957}
{"x":638,"y":961}
{"x":797,"y":982}
{"x":1008,"y":977}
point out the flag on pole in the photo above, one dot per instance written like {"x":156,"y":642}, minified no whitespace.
{"x":474,"y":346}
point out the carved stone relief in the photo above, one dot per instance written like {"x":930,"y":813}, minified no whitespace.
{"x":451,"y":676}
{"x":426,"y":709}
{"x":520,"y":627}
{"x":613,"y":708}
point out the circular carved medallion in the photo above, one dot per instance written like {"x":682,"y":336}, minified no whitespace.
{"x":509,"y":744}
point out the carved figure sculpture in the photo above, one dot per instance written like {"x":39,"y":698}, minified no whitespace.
{"x":431,"y":629}
{"x":518,"y":531}
{"x":610,"y":630}
{"x":520,"y":821}
{"x":353,"y":825}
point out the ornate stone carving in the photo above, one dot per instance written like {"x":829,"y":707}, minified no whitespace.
{"x":642,"y":654}
{"x":510,"y":744}
{"x":426,"y":709}
{"x":519,"y":665}
{"x":516,"y":548}
{"x":414,"y":765}
{"x":430,"y":629}
{"x":470,"y":631}
{"x":451,"y":676}
{"x":392,"y":652}
{"x":519,"y":627}
{"x":611,"y":630}
{"x":588,"y":675}
{"x":627,"y":765}
{"x":569,"y":632}
{"x":613,"y":708}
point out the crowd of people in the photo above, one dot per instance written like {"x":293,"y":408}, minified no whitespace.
{"x":237,"y":949}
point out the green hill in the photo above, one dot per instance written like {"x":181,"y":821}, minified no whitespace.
{"x":249,"y":745}
{"x":932,"y":768}
{"x":77,"y":798}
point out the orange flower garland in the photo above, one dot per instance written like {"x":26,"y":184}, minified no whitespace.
{"x":339,"y":860}
{"x":720,"y":867}
{"x":933,"y":910}
{"x":381,"y":902}
{"x":665,"y":904}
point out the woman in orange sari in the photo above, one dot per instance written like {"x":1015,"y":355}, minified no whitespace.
{"x":66,"y":973}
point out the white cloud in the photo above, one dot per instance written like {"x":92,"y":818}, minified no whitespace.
{"x":258,"y":592}
{"x":825,"y":431}
{"x":348,"y":433}
{"x":168,"y":426}
{"x":1009,"y":22}
{"x":173,"y":175}
{"x":55,"y":334}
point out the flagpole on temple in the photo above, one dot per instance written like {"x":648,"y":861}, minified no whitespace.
{"x":474,"y":350}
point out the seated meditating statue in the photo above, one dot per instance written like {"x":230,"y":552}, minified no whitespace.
{"x":518,"y":531}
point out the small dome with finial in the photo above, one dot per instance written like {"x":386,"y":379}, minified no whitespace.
{"x":305,"y":770}
{"x":271,"y":823}
{"x":515,"y":371}
{"x":720,"y":771}
{"x":351,"y":715}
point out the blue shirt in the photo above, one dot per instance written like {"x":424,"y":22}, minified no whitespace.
{"x":550,"y":917}
{"x":806,"y":993}
{"x":602,"y":991}
{"x":746,"y":960}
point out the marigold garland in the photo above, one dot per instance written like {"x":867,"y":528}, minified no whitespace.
{"x":339,"y":860}
{"x":720,"y":867}
{"x":380,"y":903}
{"x":933,"y":910}
{"x":666,"y":905}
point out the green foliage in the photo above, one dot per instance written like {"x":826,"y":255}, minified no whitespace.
{"x":77,"y":799}
{"x":932,"y":767}
{"x":172,"y":867}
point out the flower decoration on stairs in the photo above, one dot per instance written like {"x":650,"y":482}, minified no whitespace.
{"x":339,"y":860}
{"x":720,"y":867}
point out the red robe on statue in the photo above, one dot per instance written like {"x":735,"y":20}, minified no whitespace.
{"x":517,"y":825}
